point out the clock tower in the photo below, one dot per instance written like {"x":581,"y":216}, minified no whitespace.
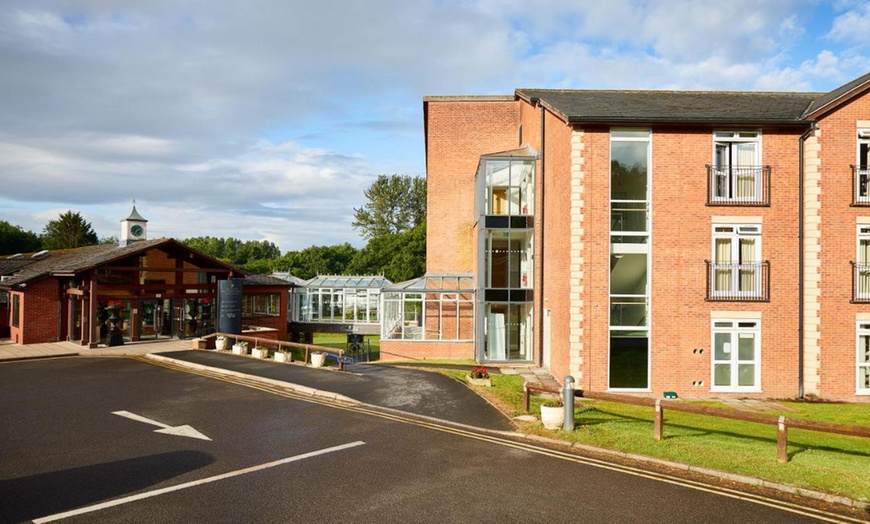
{"x":133,"y":228}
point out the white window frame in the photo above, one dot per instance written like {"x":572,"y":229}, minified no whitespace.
{"x":862,"y":168}
{"x":862,"y":267}
{"x":738,"y":326}
{"x":725,"y":173}
{"x":735,"y":233}
{"x":862,"y":328}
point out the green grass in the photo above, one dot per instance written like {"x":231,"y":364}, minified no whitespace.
{"x":339,"y":341}
{"x":818,"y":461}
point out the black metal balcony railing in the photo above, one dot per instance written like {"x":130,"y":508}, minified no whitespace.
{"x":860,"y":283}
{"x":738,"y":186}
{"x":738,"y":282}
{"x":860,"y":186}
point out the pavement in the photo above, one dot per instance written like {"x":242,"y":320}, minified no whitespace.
{"x":390,"y":385}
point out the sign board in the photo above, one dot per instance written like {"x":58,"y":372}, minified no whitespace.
{"x":229,"y":302}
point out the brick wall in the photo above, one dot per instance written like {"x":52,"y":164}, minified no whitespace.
{"x":403,"y":349}
{"x":39,"y":313}
{"x":838,"y":246}
{"x":458,"y":132}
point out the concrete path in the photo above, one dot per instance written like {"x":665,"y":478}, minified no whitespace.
{"x":10,"y":351}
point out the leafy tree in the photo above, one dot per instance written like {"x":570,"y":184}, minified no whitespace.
{"x":316,"y":260}
{"x":14,"y":239}
{"x":396,"y":203}
{"x":113,"y":239}
{"x":235,"y":251}
{"x":68,"y":231}
{"x":399,"y":257}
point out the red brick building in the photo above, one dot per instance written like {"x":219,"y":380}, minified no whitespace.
{"x":708,"y":243}
{"x":154,"y":288}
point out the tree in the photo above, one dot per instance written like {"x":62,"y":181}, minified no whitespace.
{"x":396,"y":203}
{"x":68,"y":231}
{"x":14,"y":239}
{"x":234,"y":251}
{"x":398,"y":257}
{"x":316,"y":260}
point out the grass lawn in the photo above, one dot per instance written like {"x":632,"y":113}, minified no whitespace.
{"x":339,"y":341}
{"x":819,"y":461}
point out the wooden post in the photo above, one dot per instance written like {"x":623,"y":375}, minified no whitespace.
{"x":93,"y":327}
{"x":70,"y":317}
{"x":782,"y":441}
{"x":659,"y":421}
{"x":526,"y":397}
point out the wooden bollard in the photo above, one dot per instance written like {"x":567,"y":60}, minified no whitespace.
{"x":782,"y":441}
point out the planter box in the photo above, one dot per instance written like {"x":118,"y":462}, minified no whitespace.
{"x":260,"y":353}
{"x":318,"y":360}
{"x":239,"y":349}
{"x":283,"y":357}
{"x":484,"y":382}
{"x":553,"y":417}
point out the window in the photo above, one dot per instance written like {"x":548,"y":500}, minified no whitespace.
{"x":863,"y":333}
{"x":261,"y":305}
{"x":736,"y":355}
{"x":16,"y":310}
{"x":862,"y":168}
{"x":862,"y":267}
{"x":736,"y":268}
{"x":509,"y":186}
{"x":629,"y":355}
{"x":737,"y":173}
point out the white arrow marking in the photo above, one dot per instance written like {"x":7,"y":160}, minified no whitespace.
{"x":181,"y":431}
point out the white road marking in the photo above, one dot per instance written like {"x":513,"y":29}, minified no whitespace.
{"x":181,"y":431}
{"x":170,"y":489}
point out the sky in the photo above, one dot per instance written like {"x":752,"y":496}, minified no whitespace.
{"x":267,"y":119}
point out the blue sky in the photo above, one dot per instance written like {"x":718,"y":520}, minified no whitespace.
{"x":267,"y":119}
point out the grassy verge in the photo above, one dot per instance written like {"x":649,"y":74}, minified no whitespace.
{"x":339,"y":341}
{"x":819,"y":461}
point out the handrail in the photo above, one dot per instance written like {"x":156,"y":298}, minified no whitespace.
{"x":782,"y":423}
{"x":309,"y":348}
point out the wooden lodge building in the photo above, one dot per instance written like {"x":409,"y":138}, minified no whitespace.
{"x":149,"y":289}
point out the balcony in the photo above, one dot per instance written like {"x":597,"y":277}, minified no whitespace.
{"x":738,"y":186}
{"x":738,"y":282}
{"x":860,"y":186}
{"x":860,"y":283}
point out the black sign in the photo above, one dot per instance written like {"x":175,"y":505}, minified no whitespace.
{"x":229,"y":299}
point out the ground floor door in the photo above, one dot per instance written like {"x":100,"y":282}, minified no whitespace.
{"x":507,"y":332}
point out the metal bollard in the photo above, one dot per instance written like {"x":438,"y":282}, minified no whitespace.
{"x":568,"y":401}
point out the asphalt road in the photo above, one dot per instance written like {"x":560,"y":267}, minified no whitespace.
{"x":63,"y":448}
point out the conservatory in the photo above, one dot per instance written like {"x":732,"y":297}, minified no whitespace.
{"x":339,"y":300}
{"x":435,"y":307}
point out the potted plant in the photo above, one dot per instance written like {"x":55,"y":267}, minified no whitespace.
{"x":553,"y":414}
{"x":479,"y":376}
{"x":282,"y":355}
{"x":260,"y":352}
{"x":318,"y":359}
{"x":240,"y":348}
{"x":220,"y":343}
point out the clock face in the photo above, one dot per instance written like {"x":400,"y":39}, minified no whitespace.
{"x":137,"y":230}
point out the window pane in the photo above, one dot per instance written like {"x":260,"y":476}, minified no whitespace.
{"x":864,"y":378}
{"x":629,"y":361}
{"x":722,"y":375}
{"x":628,"y":216}
{"x":628,"y":274}
{"x":746,"y":375}
{"x":864,"y":349}
{"x":628,"y":311}
{"x":628,"y":171}
{"x":722,"y":349}
{"x":745,"y":346}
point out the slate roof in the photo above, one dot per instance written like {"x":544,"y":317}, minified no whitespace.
{"x":836,"y":94}
{"x":135,"y":216}
{"x":701,"y":107}
{"x":256,"y":279}
{"x":85,"y":258}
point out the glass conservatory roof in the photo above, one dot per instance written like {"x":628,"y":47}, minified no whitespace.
{"x":446,"y":282}
{"x":348,"y":281}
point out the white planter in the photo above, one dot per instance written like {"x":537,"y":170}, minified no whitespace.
{"x":318,"y":359}
{"x":553,"y":417}
{"x":239,"y":349}
{"x":220,"y":344}
{"x":283,"y":357}
{"x":260,"y":353}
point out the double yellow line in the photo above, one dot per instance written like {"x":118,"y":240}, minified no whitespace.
{"x":369,"y":410}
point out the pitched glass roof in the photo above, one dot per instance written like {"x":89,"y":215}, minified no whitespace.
{"x":445,"y":282}
{"x":348,"y":281}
